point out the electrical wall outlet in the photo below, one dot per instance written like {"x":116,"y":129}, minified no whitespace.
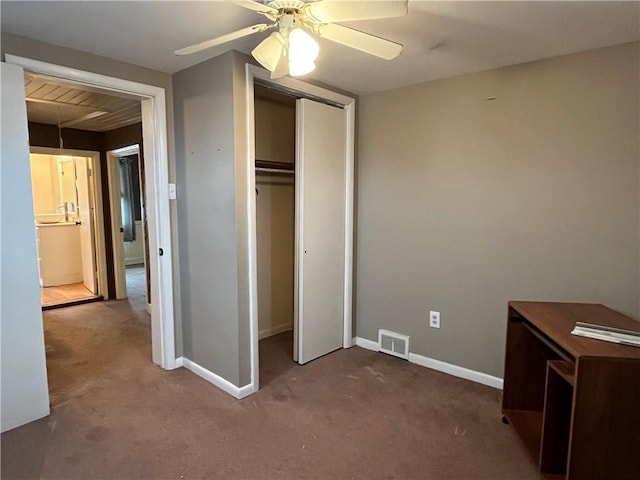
{"x":434,"y":319}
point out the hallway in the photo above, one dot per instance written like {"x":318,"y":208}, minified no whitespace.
{"x":137,"y":288}
{"x":84,"y":342}
{"x":92,"y":342}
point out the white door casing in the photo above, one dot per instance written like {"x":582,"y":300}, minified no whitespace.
{"x":301,"y":89}
{"x":85,"y":212}
{"x":119,"y":270}
{"x":321,"y":145}
{"x":154,"y":133}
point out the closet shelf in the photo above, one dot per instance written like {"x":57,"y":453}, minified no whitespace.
{"x":267,"y":166}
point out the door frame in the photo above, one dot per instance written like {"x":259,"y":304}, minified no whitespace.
{"x":313,"y":92}
{"x":99,"y":248}
{"x":119,"y":266}
{"x":154,"y":133}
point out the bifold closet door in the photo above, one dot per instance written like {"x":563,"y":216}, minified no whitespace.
{"x":320,"y":225}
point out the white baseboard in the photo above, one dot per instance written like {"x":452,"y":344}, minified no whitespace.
{"x":456,"y":371}
{"x":440,"y":366}
{"x":61,"y":279}
{"x":269,"y":332}
{"x":217,"y":380}
{"x":246,"y":391}
{"x":134,"y":261}
{"x":366,"y":343}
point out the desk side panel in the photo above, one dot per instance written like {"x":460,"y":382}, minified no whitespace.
{"x":605,"y":438}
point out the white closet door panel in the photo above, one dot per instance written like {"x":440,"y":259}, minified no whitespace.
{"x":24,"y":395}
{"x":320,"y":216}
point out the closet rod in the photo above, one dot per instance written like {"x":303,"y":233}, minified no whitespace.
{"x":274,"y":170}
{"x":289,"y":167}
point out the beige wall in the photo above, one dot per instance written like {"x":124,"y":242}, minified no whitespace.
{"x":465,"y":203}
{"x":275,"y":131}
{"x":275,"y":225}
{"x":44,"y":181}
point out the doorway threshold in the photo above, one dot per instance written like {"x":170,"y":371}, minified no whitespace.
{"x":71,"y":303}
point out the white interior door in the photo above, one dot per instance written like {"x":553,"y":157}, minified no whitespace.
{"x":117,"y":238}
{"x":321,"y":156}
{"x":85,"y":212}
{"x":24,"y":395}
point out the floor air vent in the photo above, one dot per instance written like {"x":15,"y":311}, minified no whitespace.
{"x":393,"y":343}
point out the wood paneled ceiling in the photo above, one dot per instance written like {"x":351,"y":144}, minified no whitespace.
{"x":54,"y":102}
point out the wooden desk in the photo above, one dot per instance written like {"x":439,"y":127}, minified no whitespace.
{"x":574,"y":401}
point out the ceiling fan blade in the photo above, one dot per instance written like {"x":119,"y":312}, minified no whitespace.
{"x":345,"y":11}
{"x":243,"y":32}
{"x":256,"y":7}
{"x":364,"y":42}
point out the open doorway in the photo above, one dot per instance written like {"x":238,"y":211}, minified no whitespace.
{"x":152,"y":103}
{"x":129,"y":225}
{"x":65,"y":218}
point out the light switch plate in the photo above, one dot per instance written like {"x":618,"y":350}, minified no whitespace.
{"x":172,"y":191}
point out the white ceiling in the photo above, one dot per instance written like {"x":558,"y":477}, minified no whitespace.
{"x":441,"y":39}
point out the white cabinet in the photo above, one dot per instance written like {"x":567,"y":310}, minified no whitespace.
{"x":59,"y":255}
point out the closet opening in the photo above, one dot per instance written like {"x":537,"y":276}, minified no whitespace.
{"x":300,"y":160}
{"x":275,"y":124}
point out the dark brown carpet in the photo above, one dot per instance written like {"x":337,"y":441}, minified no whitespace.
{"x":351,"y":414}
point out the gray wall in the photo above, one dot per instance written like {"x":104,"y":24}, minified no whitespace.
{"x":465,"y":203}
{"x":206,"y":179}
{"x":24,"y":376}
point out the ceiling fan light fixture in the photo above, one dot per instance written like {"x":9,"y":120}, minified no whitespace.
{"x":297,"y":69}
{"x":282,"y":68}
{"x":302,"y":52}
{"x":292,"y":50}
{"x":269,"y":51}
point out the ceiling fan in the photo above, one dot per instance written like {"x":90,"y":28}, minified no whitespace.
{"x":291,"y":50}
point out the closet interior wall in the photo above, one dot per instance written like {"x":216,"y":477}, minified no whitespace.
{"x":275,"y":123}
